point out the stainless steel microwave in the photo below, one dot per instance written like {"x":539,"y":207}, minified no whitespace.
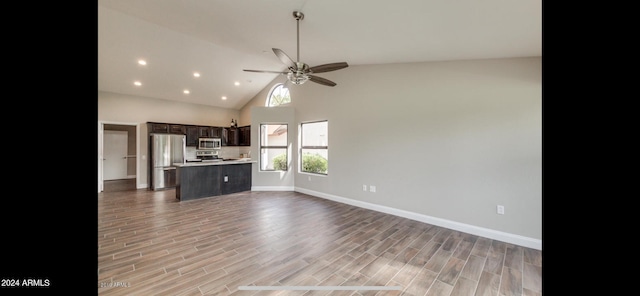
{"x":209,"y":143}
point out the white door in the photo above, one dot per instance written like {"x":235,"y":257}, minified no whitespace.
{"x":115,"y":155}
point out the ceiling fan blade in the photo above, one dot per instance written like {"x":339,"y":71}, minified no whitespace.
{"x":262,"y":71}
{"x":285,"y":59}
{"x":321,"y":80}
{"x":328,"y":67}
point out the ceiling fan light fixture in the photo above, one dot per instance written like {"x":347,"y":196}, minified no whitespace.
{"x":297,"y":77}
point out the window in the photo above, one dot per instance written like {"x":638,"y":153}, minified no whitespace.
{"x":278,"y":95}
{"x":314,"y":149}
{"x":273,"y":147}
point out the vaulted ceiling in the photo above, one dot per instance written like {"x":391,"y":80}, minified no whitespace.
{"x":220,"y":38}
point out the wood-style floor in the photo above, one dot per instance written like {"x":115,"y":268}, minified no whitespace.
{"x":151,"y":244}
{"x":119,"y":185}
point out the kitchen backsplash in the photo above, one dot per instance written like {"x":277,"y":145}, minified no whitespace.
{"x":189,"y":152}
{"x":246,"y":150}
{"x":230,"y":152}
{"x":225,"y":152}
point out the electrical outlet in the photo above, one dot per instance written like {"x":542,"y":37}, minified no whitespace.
{"x":364,"y":187}
{"x":500,"y":210}
{"x":372,"y":188}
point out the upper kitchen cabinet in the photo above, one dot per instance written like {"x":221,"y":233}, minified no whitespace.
{"x":244,"y":136}
{"x":159,"y":128}
{"x":166,"y":128}
{"x":216,"y":132}
{"x":209,"y":132}
{"x":177,"y":129}
{"x":192,"y":135}
{"x":230,"y":136}
{"x":193,"y":132}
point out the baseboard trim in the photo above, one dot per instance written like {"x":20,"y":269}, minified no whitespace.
{"x":467,"y":228}
{"x":272,"y":188}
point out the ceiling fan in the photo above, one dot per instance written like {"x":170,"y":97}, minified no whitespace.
{"x":299,"y":72}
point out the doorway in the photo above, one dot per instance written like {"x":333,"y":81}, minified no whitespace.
{"x":117,"y":157}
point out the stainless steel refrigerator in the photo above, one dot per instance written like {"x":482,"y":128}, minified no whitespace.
{"x":166,"y":149}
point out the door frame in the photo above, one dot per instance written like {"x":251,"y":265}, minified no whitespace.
{"x":101,"y":151}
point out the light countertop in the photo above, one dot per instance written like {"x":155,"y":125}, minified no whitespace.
{"x":217,"y":162}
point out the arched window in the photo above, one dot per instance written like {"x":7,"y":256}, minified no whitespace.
{"x":278,"y":95}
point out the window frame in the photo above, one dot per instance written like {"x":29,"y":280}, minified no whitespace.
{"x":261,"y":147}
{"x":326,"y":147}
{"x":270,"y":95}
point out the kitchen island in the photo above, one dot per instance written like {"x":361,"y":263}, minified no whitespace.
{"x":212,"y":178}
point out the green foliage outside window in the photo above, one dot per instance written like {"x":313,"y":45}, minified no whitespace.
{"x":279,"y":95}
{"x":280,"y":162}
{"x":311,"y":163}
{"x":279,"y":100}
{"x":314,"y":163}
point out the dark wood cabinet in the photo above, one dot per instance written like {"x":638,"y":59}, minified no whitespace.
{"x":216,"y":132}
{"x":166,"y":128}
{"x":233,"y":137}
{"x":229,"y":136}
{"x":209,"y":132}
{"x":193,"y":132}
{"x":192,"y":136}
{"x":240,"y":136}
{"x":204,"y":131}
{"x":158,"y":128}
{"x":177,"y":129}
{"x":244,"y":136}
{"x":224,"y":140}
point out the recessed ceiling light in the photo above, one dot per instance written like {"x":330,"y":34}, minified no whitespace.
{"x":137,"y":83}
{"x":236,"y":83}
{"x":142,"y":62}
{"x":224,"y":98}
{"x":186,"y":91}
{"x":196,"y":74}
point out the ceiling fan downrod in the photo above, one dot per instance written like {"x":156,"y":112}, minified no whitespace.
{"x":298,"y":16}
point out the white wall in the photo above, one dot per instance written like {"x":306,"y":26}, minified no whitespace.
{"x":445,"y":140}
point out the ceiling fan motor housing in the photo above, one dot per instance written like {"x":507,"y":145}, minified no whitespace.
{"x":299,"y":76}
